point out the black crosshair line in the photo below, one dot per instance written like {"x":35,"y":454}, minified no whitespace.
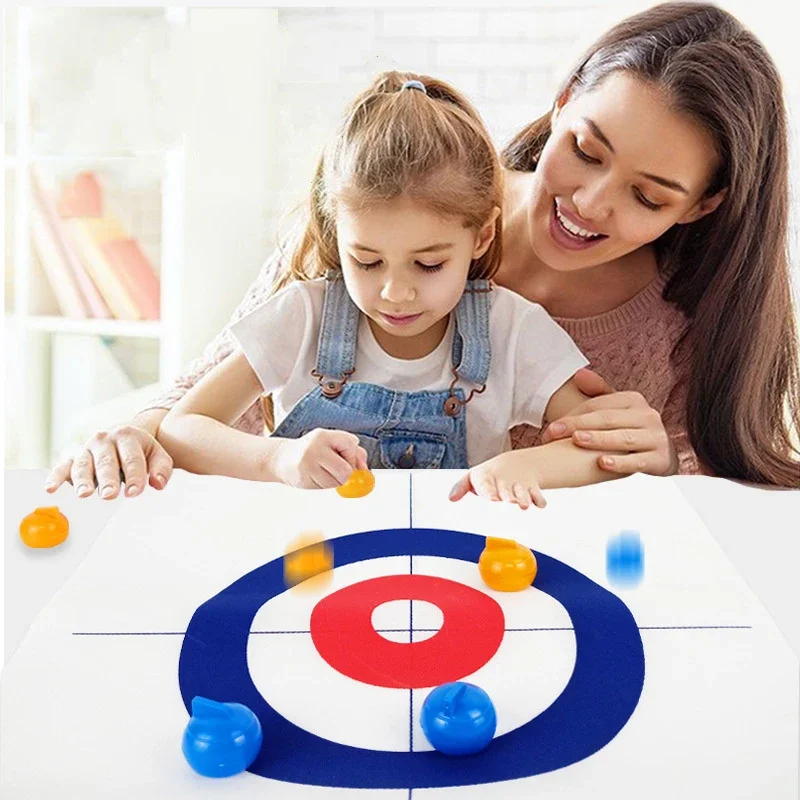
{"x":411,"y":622}
{"x":420,"y":630}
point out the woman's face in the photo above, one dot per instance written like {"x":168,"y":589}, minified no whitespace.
{"x":618,"y":170}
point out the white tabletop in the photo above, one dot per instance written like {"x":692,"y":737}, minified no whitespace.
{"x":758,"y":529}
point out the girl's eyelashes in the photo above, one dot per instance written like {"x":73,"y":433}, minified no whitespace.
{"x":371,"y":265}
{"x":590,"y":160}
{"x":364,"y":265}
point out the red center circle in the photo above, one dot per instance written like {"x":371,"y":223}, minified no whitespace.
{"x":342,"y":632}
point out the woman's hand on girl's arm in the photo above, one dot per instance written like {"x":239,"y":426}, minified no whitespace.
{"x":128,"y":453}
{"x":622,"y":422}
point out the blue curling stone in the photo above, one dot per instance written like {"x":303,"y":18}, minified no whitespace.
{"x":221,"y":739}
{"x":458,"y":718}
{"x":625,"y":559}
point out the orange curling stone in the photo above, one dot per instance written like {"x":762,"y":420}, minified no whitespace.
{"x":308,"y":561}
{"x":45,"y":527}
{"x":360,"y":483}
{"x":506,"y":565}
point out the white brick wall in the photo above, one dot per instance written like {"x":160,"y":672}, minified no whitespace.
{"x":508,"y":61}
{"x":431,"y":23}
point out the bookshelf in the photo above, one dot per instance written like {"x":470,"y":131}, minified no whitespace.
{"x":33,"y":323}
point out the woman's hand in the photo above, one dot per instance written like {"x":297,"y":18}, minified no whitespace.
{"x":127,"y":453}
{"x":617,"y":421}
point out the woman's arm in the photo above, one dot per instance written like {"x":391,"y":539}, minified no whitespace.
{"x":624,"y":422}
{"x":150,"y":419}
{"x":127,"y":453}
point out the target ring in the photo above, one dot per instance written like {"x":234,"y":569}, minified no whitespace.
{"x":469,"y":616}
{"x":596,"y":703}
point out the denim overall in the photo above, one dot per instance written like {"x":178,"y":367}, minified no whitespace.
{"x":421,"y":430}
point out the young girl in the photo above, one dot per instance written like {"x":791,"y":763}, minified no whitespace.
{"x":387,"y":344}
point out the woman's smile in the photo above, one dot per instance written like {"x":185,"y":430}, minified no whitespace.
{"x":567,"y":232}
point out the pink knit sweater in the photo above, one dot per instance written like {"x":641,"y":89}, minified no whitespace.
{"x":629,"y":347}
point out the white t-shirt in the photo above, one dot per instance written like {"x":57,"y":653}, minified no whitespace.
{"x":532,"y":357}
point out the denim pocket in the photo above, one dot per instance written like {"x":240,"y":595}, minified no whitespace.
{"x":407,"y":450}
{"x":370,"y":444}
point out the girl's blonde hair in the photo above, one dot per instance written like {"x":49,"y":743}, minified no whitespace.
{"x":430,"y":146}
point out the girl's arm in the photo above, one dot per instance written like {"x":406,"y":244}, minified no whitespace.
{"x":198,"y":435}
{"x":518,"y":476}
{"x":197,"y":431}
{"x":561,"y":463}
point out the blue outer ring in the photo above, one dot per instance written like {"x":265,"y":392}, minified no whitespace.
{"x":596,"y":703}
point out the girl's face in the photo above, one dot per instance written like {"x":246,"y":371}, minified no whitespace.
{"x":619,"y":169}
{"x":405,"y":268}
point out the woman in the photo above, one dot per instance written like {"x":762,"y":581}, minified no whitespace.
{"x":648,"y":213}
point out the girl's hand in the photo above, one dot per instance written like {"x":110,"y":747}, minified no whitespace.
{"x":502,"y":478}
{"x":617,"y":421}
{"x":321,"y":459}
{"x":126,"y":453}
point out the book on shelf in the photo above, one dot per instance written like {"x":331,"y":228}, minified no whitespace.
{"x":43,"y":192}
{"x":49,"y":255}
{"x":114,"y":259}
{"x":90,"y":234}
{"x":133,"y":269}
{"x":81,"y":197}
{"x":108,"y":265}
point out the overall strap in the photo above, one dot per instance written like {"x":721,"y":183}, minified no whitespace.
{"x":472,"y":349}
{"x":338,"y":334}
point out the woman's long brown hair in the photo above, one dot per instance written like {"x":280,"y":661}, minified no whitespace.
{"x":729,"y":270}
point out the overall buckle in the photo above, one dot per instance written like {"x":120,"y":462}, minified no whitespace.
{"x":331,"y":387}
